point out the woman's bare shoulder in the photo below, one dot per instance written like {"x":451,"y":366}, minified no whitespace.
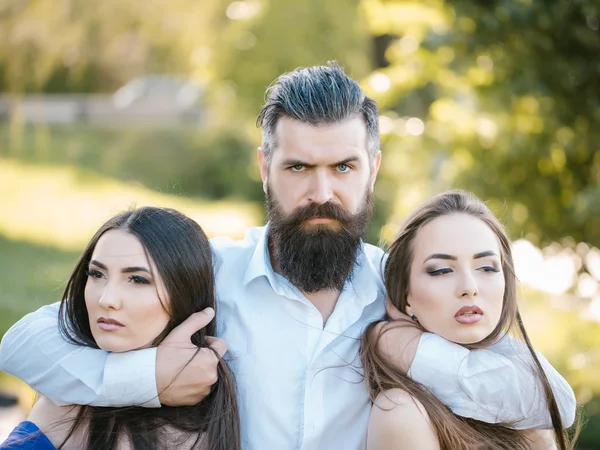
{"x":55,"y":421}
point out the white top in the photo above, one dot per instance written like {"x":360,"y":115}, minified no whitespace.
{"x":300,"y":383}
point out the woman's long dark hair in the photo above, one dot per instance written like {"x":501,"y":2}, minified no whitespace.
{"x":453,"y":432}
{"x":183,"y":259}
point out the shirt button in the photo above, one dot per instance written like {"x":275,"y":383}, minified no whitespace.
{"x":311,"y":313}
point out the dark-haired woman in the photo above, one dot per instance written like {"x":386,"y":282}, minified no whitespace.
{"x":450,"y":272}
{"x":141,"y":275}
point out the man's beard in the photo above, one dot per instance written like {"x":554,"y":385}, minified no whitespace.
{"x":316,"y":257}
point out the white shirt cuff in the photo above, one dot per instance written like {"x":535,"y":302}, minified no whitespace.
{"x":130,"y":378}
{"x":440,"y":375}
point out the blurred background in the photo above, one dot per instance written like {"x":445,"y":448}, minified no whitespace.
{"x":110,"y":104}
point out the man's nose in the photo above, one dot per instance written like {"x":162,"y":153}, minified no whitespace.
{"x":321,"y":189}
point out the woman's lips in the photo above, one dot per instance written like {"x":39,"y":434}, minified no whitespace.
{"x":468,"y":315}
{"x":109,"y":324}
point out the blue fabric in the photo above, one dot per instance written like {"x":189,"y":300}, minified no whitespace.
{"x":27,"y":436}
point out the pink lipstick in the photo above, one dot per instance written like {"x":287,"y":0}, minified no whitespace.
{"x":468,"y":314}
{"x":109,"y":324}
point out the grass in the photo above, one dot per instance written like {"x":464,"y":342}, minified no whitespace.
{"x":61,"y":206}
{"x":31,"y":276}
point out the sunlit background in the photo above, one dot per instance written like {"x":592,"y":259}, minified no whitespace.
{"x":117,"y":103}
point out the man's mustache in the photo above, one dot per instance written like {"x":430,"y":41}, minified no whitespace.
{"x":319,"y":210}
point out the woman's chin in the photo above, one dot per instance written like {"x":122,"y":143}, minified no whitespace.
{"x":115,"y":345}
{"x":470,"y":338}
{"x":119,"y":345}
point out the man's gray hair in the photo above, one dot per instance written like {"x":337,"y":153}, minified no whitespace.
{"x":317,"y":95}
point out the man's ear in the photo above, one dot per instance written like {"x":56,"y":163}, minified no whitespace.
{"x":263,"y":166}
{"x":375,"y":169}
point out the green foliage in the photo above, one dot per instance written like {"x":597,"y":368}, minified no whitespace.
{"x":31,"y":276}
{"x":509,"y":92}
{"x":212,"y":165}
{"x":284,"y":35}
{"x":72,"y":46}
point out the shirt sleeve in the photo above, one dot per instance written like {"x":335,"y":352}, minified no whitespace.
{"x":35,"y":351}
{"x":494,"y":385}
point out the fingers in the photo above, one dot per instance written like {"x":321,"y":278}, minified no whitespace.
{"x":189,"y":326}
{"x":218,"y":345}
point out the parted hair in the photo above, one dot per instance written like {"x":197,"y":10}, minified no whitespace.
{"x":319,"y":95}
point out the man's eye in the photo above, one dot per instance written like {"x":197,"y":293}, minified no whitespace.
{"x":297,"y":168}
{"x":343,"y":168}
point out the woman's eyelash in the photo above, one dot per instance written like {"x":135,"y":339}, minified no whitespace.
{"x":93,"y":273}
{"x":490,"y":269}
{"x":439,"y":271}
{"x":136,"y":279}
{"x":448,"y":270}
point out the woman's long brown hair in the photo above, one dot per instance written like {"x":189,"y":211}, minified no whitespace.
{"x":183,"y":258}
{"x":453,"y":432}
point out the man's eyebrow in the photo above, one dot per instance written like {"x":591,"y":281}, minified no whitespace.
{"x":297,"y":162}
{"x":440,"y":256}
{"x":484,"y":254}
{"x":346,"y":161}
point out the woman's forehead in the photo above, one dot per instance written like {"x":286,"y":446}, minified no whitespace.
{"x":457,"y":234}
{"x":120,"y":247}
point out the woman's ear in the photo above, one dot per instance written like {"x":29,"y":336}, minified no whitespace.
{"x":410,"y":313}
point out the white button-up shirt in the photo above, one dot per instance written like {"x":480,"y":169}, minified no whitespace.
{"x":299,"y":381}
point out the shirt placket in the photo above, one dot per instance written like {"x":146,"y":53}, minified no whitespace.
{"x":313,"y":398}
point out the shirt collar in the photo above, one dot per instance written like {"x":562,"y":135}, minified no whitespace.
{"x":260,"y":263}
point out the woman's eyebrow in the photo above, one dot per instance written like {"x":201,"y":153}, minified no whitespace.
{"x":453,"y":258}
{"x":135,"y":269}
{"x":440,"y":256}
{"x":484,"y":254}
{"x":124,"y":270}
{"x":98,"y":264}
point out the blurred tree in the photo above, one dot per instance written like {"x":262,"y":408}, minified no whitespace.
{"x":508,"y":92}
{"x":75,"y":45}
{"x":268,"y":38}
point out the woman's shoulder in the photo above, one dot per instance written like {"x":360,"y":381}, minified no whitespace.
{"x":55,"y":421}
{"x":27,"y":436}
